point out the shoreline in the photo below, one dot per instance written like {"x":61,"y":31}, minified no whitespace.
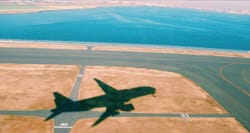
{"x":120,"y":44}
{"x":165,"y":46}
{"x":124,"y":47}
{"x":43,"y":8}
{"x":239,"y":9}
{"x":39,"y":44}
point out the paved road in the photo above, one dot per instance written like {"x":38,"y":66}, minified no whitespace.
{"x":71,"y":117}
{"x":96,"y":114}
{"x":75,"y":90}
{"x":204,"y":70}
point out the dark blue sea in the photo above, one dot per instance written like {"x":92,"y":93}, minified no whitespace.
{"x":135,"y":25}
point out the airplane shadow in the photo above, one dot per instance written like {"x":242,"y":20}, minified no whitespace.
{"x":113,"y":100}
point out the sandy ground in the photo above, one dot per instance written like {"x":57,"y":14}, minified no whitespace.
{"x":174,"y":93}
{"x":24,"y":124}
{"x":46,"y":45}
{"x":31,"y":87}
{"x":173,"y":51}
{"x":161,"y":125}
{"x":41,"y":8}
{"x":232,"y":6}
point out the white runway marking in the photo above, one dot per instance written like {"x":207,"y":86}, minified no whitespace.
{"x":64,"y":124}
{"x":185,"y":116}
{"x":63,"y":127}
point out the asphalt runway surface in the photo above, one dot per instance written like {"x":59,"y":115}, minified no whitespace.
{"x":226,"y":79}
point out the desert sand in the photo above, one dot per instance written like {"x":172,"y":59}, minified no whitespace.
{"x":31,"y":87}
{"x":173,"y":51}
{"x":14,"y":9}
{"x":161,"y":125}
{"x":24,"y":124}
{"x":174,"y":93}
{"x":44,"y":45}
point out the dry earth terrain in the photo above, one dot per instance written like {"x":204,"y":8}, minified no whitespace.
{"x":174,"y":93}
{"x":31,"y":87}
{"x":44,"y":45}
{"x":24,"y":124}
{"x":161,"y":125}
{"x":14,"y":9}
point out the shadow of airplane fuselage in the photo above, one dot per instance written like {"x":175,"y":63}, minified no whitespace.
{"x":114,"y":100}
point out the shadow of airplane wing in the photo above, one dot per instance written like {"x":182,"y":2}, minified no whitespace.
{"x":104,"y":116}
{"x":109,"y":112}
{"x":105,"y":87}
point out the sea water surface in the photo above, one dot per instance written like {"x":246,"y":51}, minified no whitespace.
{"x":140,"y":25}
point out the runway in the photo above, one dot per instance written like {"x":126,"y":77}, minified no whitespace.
{"x":207,"y":71}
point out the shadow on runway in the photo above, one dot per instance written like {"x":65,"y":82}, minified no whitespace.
{"x":113,"y":99}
